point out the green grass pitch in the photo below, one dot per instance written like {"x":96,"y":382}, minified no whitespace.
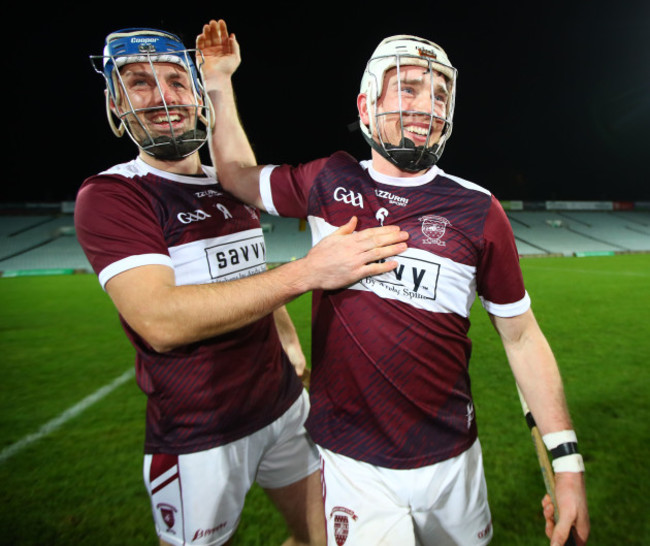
{"x":81,"y":484}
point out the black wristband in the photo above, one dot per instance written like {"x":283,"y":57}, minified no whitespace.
{"x":568,"y":448}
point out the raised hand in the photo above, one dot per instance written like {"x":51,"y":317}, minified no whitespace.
{"x":219,"y":50}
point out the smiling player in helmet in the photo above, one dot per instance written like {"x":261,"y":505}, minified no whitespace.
{"x":406,"y":102}
{"x":154,"y":92}
{"x":184,"y":262}
{"x":392,"y":410}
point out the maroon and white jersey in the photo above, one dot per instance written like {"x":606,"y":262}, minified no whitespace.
{"x":211,"y":392}
{"x":390,"y":354}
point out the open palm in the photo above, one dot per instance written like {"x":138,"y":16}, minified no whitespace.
{"x":220,"y":51}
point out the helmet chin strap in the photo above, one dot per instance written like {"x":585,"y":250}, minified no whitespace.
{"x":411,"y":158}
{"x":174,"y":149}
{"x":406,"y":155}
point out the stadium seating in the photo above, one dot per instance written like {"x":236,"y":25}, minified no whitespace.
{"x":285,"y":241}
{"x":580,"y":232}
{"x":32,"y":243}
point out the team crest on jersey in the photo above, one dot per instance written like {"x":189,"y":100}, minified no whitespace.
{"x":167,"y":514}
{"x":341,"y":520}
{"x":433,"y":229}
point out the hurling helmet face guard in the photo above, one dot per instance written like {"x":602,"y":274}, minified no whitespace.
{"x":398,"y":52}
{"x":141,"y":45}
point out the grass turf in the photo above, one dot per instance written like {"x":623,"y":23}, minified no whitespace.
{"x":82,"y":484}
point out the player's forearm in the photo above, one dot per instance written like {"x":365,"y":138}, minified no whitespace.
{"x":178,"y":315}
{"x":220,"y":57}
{"x":286,"y":328}
{"x":289,"y":339}
{"x":230,"y":148}
{"x":168,"y":316}
{"x":538,"y":377}
{"x":228,"y":139}
{"x":535,"y":369}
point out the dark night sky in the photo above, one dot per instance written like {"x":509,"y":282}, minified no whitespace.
{"x":552,"y":102}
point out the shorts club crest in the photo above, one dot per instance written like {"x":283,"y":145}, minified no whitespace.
{"x":167,"y":514}
{"x":341,"y":522}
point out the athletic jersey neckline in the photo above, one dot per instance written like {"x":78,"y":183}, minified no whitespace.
{"x":206,"y":179}
{"x":407,"y":182}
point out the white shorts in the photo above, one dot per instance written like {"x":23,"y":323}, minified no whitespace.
{"x":443,"y":504}
{"x":197,"y":498}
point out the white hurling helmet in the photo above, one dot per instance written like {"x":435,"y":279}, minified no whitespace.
{"x":394,"y":52}
{"x":144,"y":45}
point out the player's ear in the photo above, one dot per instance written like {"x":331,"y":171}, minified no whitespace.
{"x":362,"y":106}
{"x":112,"y":113}
{"x":110,"y":103}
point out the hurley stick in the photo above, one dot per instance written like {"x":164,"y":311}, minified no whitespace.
{"x":544,"y":461}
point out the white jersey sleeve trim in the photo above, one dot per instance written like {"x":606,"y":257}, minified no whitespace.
{"x":265,"y":190}
{"x":507,"y":310}
{"x":132,"y":262}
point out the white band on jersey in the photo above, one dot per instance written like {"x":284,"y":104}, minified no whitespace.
{"x":132,"y":262}
{"x":507,"y":310}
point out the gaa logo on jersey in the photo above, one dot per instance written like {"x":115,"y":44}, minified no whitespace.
{"x":433,"y":229}
{"x":341,"y":521}
{"x":348,"y":197}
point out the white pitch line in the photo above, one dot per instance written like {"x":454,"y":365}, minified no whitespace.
{"x":68,"y":414}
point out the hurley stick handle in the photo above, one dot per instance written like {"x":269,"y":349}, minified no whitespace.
{"x":544,"y":461}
